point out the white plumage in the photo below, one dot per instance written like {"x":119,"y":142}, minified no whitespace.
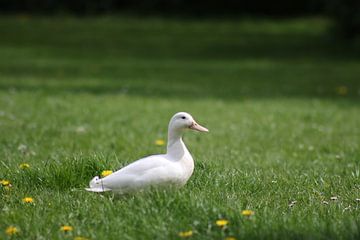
{"x":173,"y":168}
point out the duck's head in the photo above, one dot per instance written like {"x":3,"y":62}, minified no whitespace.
{"x":182,"y":120}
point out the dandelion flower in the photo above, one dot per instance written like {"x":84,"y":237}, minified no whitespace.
{"x":5,"y":183}
{"x":24,"y":166}
{"x":28,"y":200}
{"x":11,"y":230}
{"x":230,"y":238}
{"x":66,"y":228}
{"x":247,"y":213}
{"x":106,"y":173}
{"x":222,"y":222}
{"x":186,"y":234}
{"x":342,"y":90}
{"x":159,"y":142}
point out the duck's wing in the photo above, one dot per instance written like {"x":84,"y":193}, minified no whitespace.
{"x":142,"y":173}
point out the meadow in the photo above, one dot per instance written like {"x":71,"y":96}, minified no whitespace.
{"x":83,"y":95}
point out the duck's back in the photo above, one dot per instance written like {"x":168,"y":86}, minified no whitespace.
{"x":149,"y":171}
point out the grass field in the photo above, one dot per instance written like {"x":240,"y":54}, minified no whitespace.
{"x":280,"y":97}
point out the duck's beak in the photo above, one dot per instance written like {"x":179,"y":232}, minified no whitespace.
{"x":198,"y":127}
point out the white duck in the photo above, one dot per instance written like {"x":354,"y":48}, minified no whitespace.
{"x":173,"y":168}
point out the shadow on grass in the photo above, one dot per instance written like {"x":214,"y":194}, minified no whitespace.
{"x":178,"y":58}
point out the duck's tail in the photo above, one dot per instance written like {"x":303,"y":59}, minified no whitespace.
{"x":96,"y":185}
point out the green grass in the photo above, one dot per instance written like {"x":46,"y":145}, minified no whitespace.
{"x":267,"y":90}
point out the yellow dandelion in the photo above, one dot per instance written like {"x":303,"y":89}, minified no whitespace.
{"x":230,"y":238}
{"x":28,"y":200}
{"x":24,"y":166}
{"x":342,"y":90}
{"x":247,"y":213}
{"x":222,"y":222}
{"x":186,"y":234}
{"x":106,"y":173}
{"x":11,"y":230}
{"x":80,"y":238}
{"x":5,"y":183}
{"x":159,"y":142}
{"x":66,"y":228}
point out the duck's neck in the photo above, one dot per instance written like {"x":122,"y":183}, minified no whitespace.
{"x":176,"y":147}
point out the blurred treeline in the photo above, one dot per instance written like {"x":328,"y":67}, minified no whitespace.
{"x":346,"y":13}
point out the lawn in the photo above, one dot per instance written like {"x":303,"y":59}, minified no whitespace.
{"x":280,"y":98}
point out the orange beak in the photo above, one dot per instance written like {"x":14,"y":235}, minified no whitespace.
{"x":197,"y":127}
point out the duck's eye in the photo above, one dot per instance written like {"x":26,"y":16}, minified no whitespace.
{"x":183,"y":117}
